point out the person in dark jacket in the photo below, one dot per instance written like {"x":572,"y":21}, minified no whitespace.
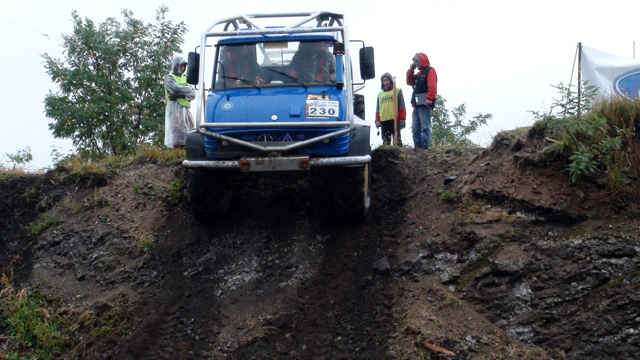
{"x":385,"y":111}
{"x":424,"y":82}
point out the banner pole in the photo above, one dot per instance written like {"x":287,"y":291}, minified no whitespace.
{"x":579,"y":74}
{"x":573,"y":67}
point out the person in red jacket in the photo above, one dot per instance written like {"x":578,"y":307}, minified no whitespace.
{"x":425,"y":90}
{"x":385,"y":111}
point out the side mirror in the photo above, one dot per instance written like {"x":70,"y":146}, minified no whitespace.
{"x":193,"y":68}
{"x":367,"y":63}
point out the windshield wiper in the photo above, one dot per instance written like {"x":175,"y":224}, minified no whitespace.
{"x":289,"y":77}
{"x":245,"y":81}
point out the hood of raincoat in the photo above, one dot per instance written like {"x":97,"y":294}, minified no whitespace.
{"x":177,"y":61}
{"x":423,"y":60}
{"x":388,"y":75}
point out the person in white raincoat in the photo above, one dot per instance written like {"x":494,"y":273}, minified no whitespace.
{"x":178,"y":95}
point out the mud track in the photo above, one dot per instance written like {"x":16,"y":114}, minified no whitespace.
{"x":262,"y":285}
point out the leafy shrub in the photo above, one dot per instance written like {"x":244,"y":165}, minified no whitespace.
{"x":21,"y":157}
{"x":596,"y":141}
{"x":581,"y":164}
{"x":453,"y":133}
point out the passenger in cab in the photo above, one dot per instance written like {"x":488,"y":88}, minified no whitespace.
{"x":312,"y":63}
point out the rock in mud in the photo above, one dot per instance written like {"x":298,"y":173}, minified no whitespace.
{"x":382,"y":266}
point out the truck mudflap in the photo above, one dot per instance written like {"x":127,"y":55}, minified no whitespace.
{"x":278,"y":163}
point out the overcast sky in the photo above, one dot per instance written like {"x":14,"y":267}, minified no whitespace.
{"x":497,"y":57}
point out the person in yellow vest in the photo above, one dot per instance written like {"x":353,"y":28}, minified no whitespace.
{"x":385,"y":111}
{"x":178,"y":95}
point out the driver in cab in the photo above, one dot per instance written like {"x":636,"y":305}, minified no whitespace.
{"x":238,"y":67}
{"x":313,"y":63}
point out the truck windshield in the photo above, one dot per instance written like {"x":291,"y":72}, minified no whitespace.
{"x":290,"y":63}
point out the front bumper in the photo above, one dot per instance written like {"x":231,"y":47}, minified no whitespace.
{"x":278,"y":163}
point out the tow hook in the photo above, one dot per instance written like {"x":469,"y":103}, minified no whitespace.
{"x":245,"y":165}
{"x":304,"y":164}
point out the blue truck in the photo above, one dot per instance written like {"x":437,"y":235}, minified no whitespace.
{"x":281,"y":98}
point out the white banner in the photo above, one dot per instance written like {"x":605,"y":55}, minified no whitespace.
{"x":610,"y":73}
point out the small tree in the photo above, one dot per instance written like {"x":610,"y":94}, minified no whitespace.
{"x":569,"y":103}
{"x":111,"y":82}
{"x":453,"y":133}
{"x":20,"y":158}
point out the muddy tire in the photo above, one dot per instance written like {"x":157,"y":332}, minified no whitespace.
{"x":358,"y":106}
{"x":353,"y":186}
{"x":209,"y":195}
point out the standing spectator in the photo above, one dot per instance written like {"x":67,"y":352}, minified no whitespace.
{"x":385,"y":111}
{"x":425,"y":82}
{"x":178,"y":95}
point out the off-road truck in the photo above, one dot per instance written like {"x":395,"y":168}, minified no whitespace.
{"x":272,"y":105}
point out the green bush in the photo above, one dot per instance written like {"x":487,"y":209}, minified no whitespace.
{"x":595,"y":140}
{"x":450,"y":129}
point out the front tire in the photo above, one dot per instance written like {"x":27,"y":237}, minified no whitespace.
{"x":353,"y":192}
{"x":209,"y":194}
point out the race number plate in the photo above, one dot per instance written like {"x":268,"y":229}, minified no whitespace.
{"x":321,"y":109}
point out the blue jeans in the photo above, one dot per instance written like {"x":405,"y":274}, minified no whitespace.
{"x":421,"y":127}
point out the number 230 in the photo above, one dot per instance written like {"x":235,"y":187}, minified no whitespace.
{"x":321,"y":111}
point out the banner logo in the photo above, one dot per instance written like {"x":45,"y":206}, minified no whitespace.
{"x":628,"y":84}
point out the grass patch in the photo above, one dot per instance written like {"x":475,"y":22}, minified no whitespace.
{"x":103,"y":331}
{"x":109,"y":323}
{"x":27,"y":318}
{"x":446,"y":299}
{"x":39,"y":228}
{"x":93,"y":171}
{"x":447,"y":195}
{"x":8,"y":174}
{"x":175,"y":189}
{"x":171,"y":156}
{"x":512,"y":135}
{"x":94,"y":201}
{"x":146,"y":243}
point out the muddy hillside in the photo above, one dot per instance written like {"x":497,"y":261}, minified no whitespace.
{"x":465,"y":254}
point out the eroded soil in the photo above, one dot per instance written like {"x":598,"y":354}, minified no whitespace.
{"x":507,"y":260}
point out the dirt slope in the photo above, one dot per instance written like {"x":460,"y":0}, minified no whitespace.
{"x":516,"y":264}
